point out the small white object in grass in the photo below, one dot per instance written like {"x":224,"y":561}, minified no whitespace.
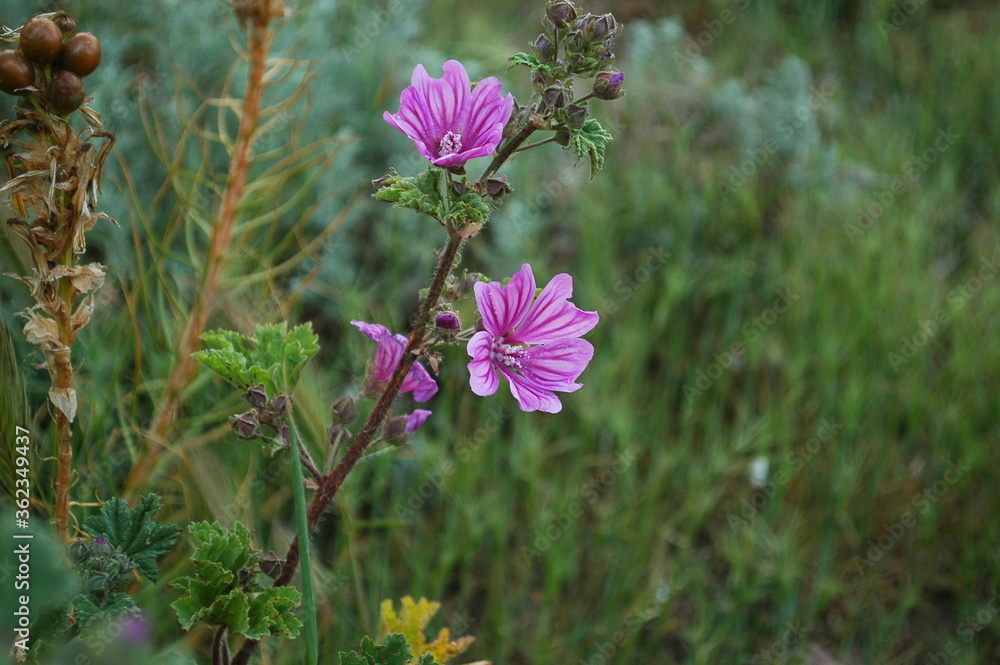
{"x":663,"y":594}
{"x":757,"y":472}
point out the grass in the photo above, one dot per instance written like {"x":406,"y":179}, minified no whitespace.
{"x":535,"y":531}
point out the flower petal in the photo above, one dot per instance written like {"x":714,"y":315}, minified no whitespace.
{"x":482,"y":375}
{"x":420,"y":381}
{"x":503,"y":308}
{"x":387,"y":357}
{"x":373,"y":330}
{"x":557,"y":365}
{"x":530,"y":395}
{"x":553,"y":317}
{"x":489,"y":112}
{"x":416,"y":420}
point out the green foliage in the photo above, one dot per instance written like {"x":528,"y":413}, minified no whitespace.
{"x":394,"y":651}
{"x":273,"y":356}
{"x":89,"y":611}
{"x":590,"y":141}
{"x":134,"y":533}
{"x":531,"y":62}
{"x":423,"y":194}
{"x":225,"y":587}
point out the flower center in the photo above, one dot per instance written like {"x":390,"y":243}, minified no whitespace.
{"x":451,"y":144}
{"x":510,"y":355}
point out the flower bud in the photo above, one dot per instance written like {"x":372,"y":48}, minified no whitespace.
{"x":447,"y":321}
{"x":561,"y":13}
{"x":271,"y":565}
{"x":497,"y":186}
{"x":344,"y":411}
{"x":246,"y":577}
{"x":608,"y":85}
{"x":603,"y":26}
{"x":543,"y":46}
{"x":381,"y":182}
{"x":78,"y":550}
{"x":245,"y":425}
{"x":576,"y":115}
{"x":557,"y":96}
{"x":257,"y":396}
{"x":280,"y":404}
{"x":394,"y":430}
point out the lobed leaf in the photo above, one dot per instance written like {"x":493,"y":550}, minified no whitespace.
{"x":590,"y":141}
{"x":133,"y":532}
{"x":273,"y":356}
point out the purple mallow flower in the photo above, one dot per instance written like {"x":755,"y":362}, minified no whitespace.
{"x":448,"y":121}
{"x":416,"y":420}
{"x":387,"y":355}
{"x":534,"y":346}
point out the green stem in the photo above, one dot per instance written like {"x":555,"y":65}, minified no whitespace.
{"x":302,"y":527}
{"x":507,"y":150}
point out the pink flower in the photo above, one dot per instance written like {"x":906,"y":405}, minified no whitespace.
{"x":448,"y":121}
{"x":416,"y":420}
{"x":533,"y":346}
{"x":387,"y":355}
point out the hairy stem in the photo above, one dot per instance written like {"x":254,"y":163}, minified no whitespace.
{"x":332,"y":482}
{"x":185,"y":367}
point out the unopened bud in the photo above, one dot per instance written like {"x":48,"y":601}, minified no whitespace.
{"x":394,"y":430}
{"x":246,"y":577}
{"x":381,"y":182}
{"x":608,"y":85}
{"x":245,"y":425}
{"x":576,"y":115}
{"x":557,"y":96}
{"x":603,"y":26}
{"x":543,"y":46}
{"x":271,"y":565}
{"x":497,"y":186}
{"x":280,"y":404}
{"x":257,"y":396}
{"x":78,"y":550}
{"x":344,"y":411}
{"x":561,"y":13}
{"x":447,"y":321}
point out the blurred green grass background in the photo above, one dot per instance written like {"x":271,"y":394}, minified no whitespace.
{"x":794,"y":270}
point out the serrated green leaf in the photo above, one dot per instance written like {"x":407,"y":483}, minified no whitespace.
{"x":394,"y":651}
{"x":421,"y":193}
{"x":531,"y":62}
{"x":270,"y":613}
{"x":213,"y":595}
{"x":470,"y":207}
{"x":270,"y":357}
{"x":133,"y":532}
{"x":589,"y":141}
{"x":86,"y":611}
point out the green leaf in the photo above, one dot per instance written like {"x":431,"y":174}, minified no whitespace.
{"x":214,"y":595}
{"x":589,"y":141}
{"x":531,"y":62}
{"x":394,"y":651}
{"x":271,"y":356}
{"x":470,"y":207}
{"x":87,"y":611}
{"x":421,"y":193}
{"x":134,"y":533}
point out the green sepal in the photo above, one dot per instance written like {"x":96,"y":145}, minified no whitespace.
{"x":421,"y":193}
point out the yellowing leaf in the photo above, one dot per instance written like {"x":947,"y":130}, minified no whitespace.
{"x":411,"y":621}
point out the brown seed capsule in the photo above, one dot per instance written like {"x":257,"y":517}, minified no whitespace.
{"x":64,"y":21}
{"x":16,"y":72}
{"x":41,"y":40}
{"x":80,"y":54}
{"x":66,"y":92}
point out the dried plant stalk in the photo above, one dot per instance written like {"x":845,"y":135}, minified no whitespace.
{"x":55,"y":179}
{"x":257,"y":15}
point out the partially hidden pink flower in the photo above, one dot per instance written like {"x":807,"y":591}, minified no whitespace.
{"x":533,"y":343}
{"x":416,"y":420}
{"x":387,"y":355}
{"x":448,"y":121}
